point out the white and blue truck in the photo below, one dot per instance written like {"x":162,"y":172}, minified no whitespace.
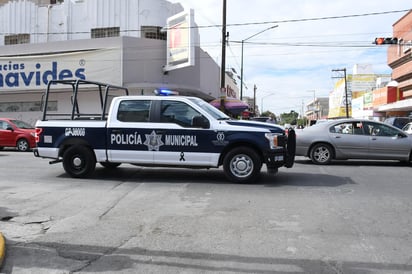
{"x":154,"y":131}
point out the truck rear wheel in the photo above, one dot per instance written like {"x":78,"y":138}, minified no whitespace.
{"x":79,"y":161}
{"x":242,"y":165}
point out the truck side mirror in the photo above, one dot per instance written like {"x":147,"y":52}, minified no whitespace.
{"x":200,"y":121}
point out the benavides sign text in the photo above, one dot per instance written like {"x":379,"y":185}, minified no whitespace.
{"x":34,"y":72}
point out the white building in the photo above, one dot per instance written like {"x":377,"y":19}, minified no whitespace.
{"x":112,"y":41}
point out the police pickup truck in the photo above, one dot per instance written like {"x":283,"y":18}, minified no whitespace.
{"x":156,"y":131}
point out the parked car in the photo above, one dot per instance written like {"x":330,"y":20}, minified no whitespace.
{"x":398,"y":122}
{"x":16,"y":133}
{"x":408,"y":128}
{"x":353,"y":139}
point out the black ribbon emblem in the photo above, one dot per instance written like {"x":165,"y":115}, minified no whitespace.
{"x":182,"y":157}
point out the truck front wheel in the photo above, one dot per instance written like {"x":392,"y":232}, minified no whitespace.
{"x":242,"y":165}
{"x":79,"y":161}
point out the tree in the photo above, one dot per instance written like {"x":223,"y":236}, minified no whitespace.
{"x":289,"y":118}
{"x":270,"y":114}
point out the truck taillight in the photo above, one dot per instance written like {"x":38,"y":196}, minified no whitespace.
{"x":37,"y":134}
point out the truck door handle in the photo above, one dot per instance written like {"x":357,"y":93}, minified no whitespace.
{"x":160,"y":131}
{"x":116,"y":131}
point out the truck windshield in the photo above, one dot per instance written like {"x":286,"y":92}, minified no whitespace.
{"x":214,"y":112}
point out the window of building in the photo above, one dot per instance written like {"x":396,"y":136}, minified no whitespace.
{"x":105,"y":32}
{"x":14,"y":39}
{"x":153,"y":32}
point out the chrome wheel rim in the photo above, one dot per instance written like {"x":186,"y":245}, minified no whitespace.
{"x":241,"y":165}
{"x":321,"y":154}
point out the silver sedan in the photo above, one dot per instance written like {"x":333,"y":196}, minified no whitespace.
{"x":353,"y":139}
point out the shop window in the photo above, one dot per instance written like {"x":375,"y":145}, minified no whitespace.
{"x":14,"y":39}
{"x":153,"y":32}
{"x":105,"y":32}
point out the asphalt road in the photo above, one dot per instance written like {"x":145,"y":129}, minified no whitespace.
{"x":349,"y":217}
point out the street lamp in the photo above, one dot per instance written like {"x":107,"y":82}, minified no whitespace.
{"x":241,"y":62}
{"x":261,"y":101}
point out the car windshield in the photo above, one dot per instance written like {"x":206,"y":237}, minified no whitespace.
{"x":211,"y":110}
{"x":21,"y":124}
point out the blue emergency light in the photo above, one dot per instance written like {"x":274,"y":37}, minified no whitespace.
{"x":165,"y":92}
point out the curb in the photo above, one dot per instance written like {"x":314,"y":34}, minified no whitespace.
{"x":2,"y":249}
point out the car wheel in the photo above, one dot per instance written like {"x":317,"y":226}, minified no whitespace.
{"x":321,"y":154}
{"x":110,"y":165}
{"x":242,"y":165}
{"x":22,"y":145}
{"x":79,"y":161}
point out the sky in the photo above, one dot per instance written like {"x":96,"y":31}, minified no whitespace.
{"x":292,"y":63}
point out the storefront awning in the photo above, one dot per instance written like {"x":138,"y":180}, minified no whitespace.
{"x":402,"y":105}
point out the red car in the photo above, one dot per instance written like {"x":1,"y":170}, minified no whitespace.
{"x":16,"y":133}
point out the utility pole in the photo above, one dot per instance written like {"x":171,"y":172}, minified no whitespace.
{"x":223,"y":91}
{"x":346,"y":88}
{"x":223,"y":65}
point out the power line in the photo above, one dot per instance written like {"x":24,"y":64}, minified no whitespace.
{"x":308,"y":19}
{"x":335,"y":44}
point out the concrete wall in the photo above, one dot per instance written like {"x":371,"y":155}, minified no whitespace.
{"x":72,"y":20}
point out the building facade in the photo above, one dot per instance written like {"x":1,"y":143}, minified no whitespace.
{"x":111,"y":41}
{"x":400,"y":60}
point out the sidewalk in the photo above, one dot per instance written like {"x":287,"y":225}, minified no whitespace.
{"x":2,"y":248}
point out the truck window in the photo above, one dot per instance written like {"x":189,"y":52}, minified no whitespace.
{"x":134,"y":111}
{"x":177,"y":112}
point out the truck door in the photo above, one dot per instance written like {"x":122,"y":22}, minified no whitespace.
{"x":128,"y":134}
{"x":183,"y":141}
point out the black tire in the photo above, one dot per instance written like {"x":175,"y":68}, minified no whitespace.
{"x":23,"y":145}
{"x":242,"y":165}
{"x":110,"y":165}
{"x":291,"y":148}
{"x":321,"y":154}
{"x":410,"y":159}
{"x":79,"y":161}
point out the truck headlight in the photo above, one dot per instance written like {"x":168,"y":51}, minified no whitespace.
{"x":273,"y":140}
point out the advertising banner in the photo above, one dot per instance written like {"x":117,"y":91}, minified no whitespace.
{"x":361,"y":83}
{"x":180,"y":41}
{"x":337,"y":100}
{"x":19,"y":73}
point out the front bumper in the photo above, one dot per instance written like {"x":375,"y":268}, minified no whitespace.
{"x":276,"y":158}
